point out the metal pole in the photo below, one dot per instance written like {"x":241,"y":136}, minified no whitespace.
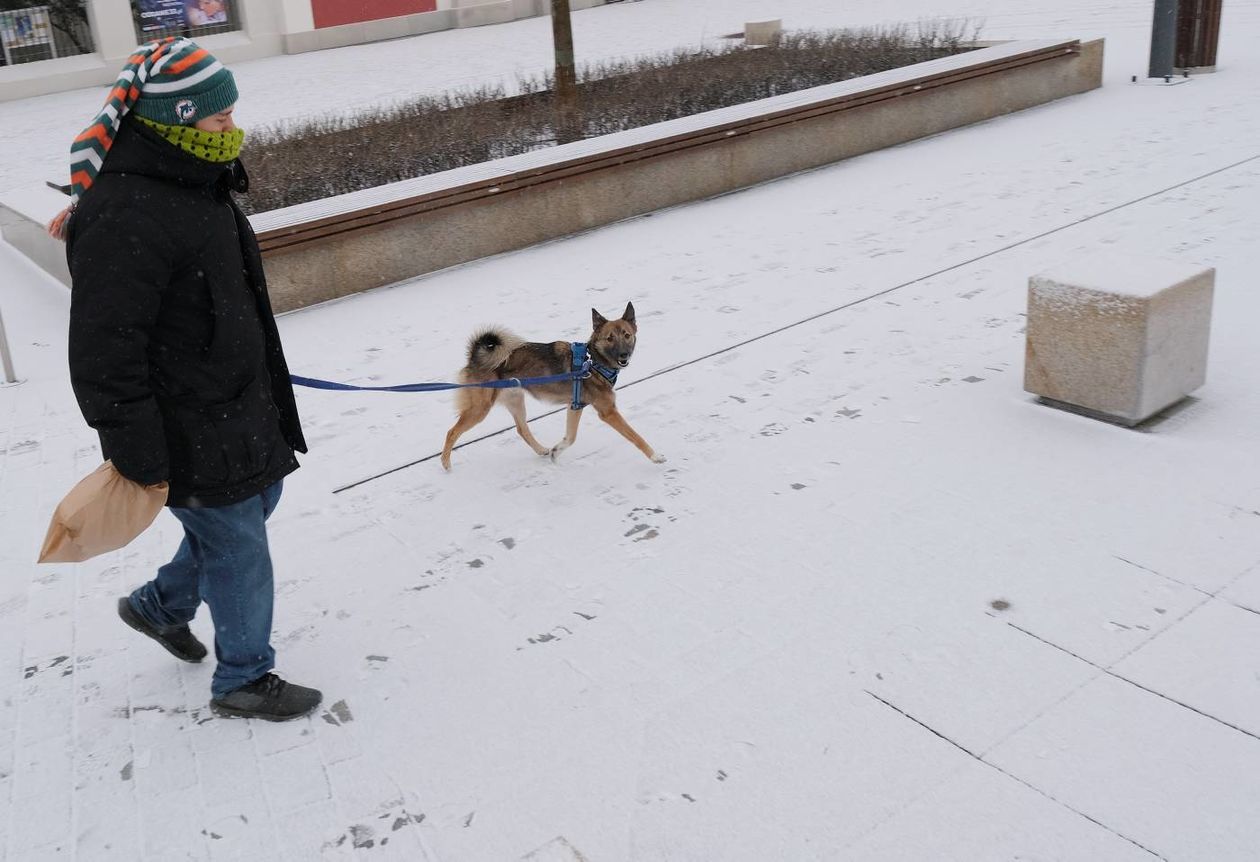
{"x":5,"y":359}
{"x":1164,"y":39}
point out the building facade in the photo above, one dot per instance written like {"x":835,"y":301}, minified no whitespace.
{"x":56,"y":45}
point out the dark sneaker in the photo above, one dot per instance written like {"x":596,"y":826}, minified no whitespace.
{"x":269,"y":698}
{"x":178,"y":640}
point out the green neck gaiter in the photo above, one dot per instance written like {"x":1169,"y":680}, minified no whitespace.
{"x":217,"y":147}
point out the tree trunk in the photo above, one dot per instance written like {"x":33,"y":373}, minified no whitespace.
{"x":568,"y":125}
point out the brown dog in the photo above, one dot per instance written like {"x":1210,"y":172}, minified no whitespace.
{"x":496,"y":354}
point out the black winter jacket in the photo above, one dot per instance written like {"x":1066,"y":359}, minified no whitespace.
{"x":174,"y":353}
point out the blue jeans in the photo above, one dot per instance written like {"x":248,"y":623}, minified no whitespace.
{"x":225,"y":562}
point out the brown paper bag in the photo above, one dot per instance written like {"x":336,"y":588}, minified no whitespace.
{"x":102,"y":513}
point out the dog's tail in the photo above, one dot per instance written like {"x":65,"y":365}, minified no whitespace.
{"x":489,"y":349}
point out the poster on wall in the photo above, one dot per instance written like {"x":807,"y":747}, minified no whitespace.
{"x":158,"y":15}
{"x":26,"y":28}
{"x":206,"y":13}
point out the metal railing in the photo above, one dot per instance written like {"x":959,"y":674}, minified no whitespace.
{"x":5,"y":359}
{"x":157,"y":19}
{"x":44,"y":32}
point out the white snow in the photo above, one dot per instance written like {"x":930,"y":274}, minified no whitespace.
{"x":878,"y":604}
{"x":1125,"y":276}
{"x":38,"y":203}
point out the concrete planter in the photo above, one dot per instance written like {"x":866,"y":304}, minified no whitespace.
{"x":327,"y":249}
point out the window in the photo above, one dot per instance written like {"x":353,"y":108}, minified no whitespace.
{"x":43,"y":32}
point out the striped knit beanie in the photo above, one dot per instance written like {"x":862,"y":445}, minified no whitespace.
{"x":170,"y":81}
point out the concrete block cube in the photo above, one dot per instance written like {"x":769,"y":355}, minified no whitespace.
{"x":1118,"y":336}
{"x":761,"y":33}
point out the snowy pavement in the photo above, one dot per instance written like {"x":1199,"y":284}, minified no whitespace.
{"x":877,"y":605}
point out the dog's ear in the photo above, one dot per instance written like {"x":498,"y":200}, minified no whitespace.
{"x":597,"y":319}
{"x":628,"y":315}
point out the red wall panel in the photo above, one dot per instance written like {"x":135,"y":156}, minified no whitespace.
{"x":330,"y":13}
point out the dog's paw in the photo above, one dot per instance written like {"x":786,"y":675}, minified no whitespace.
{"x":658,"y":458}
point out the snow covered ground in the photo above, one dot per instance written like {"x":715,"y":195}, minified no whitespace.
{"x":877,"y":605}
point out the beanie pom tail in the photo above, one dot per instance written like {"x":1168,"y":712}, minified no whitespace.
{"x":89,"y":149}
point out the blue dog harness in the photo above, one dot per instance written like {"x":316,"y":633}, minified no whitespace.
{"x":583,"y":365}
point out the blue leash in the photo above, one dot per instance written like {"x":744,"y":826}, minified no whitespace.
{"x":582,"y":367}
{"x":508,"y":383}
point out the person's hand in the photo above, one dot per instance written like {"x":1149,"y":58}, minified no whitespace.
{"x":57,"y":227}
{"x":148,"y":482}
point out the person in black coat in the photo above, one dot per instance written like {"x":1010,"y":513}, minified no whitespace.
{"x":176,"y":360}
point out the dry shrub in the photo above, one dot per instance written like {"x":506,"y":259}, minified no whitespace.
{"x":318,"y":158}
